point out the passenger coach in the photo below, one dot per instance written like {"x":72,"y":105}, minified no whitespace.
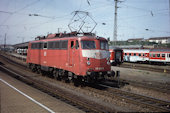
{"x":136,"y":55}
{"x":160,"y":56}
{"x":70,"y":57}
{"x":116,"y":55}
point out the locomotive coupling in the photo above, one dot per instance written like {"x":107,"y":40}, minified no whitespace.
{"x":111,"y":73}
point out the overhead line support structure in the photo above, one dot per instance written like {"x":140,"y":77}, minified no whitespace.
{"x":115,"y":22}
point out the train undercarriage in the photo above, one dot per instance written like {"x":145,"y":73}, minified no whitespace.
{"x":67,"y":76}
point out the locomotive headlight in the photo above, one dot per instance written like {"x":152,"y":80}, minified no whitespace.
{"x":108,"y":58}
{"x":88,"y":59}
{"x":88,"y":63}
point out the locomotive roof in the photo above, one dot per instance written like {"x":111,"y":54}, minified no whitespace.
{"x":72,"y":37}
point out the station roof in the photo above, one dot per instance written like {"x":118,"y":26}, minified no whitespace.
{"x":21,"y":45}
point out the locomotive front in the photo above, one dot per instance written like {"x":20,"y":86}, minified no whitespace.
{"x":95,"y":62}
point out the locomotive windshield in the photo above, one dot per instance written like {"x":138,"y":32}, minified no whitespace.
{"x":104,"y":45}
{"x":86,"y":44}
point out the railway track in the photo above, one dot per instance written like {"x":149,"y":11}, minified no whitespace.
{"x":165,"y":88}
{"x":146,"y":102}
{"x":53,"y":90}
{"x":141,"y":67}
{"x":140,"y":100}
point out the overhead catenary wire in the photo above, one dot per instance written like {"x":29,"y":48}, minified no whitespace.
{"x":28,"y":5}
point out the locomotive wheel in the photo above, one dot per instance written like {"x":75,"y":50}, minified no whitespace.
{"x":33,"y":68}
{"x":56,"y":75}
{"x":78,"y":81}
{"x":38,"y":70}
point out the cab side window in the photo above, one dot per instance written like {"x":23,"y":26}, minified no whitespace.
{"x":77,"y":44}
{"x":45,"y":45}
{"x":72,"y":44}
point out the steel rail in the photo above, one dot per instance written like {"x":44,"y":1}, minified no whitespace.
{"x":78,"y":101}
{"x":133,"y":66}
{"x":157,"y":87}
{"x":149,"y":102}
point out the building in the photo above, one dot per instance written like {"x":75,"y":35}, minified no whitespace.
{"x":161,"y":40}
{"x":135,"y":40}
{"x":7,"y":47}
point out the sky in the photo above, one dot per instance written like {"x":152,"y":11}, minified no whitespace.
{"x":135,"y":18}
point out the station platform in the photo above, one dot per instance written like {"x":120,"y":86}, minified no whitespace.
{"x":18,"y":97}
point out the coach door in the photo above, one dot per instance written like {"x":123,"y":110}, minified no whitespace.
{"x":168,"y":57}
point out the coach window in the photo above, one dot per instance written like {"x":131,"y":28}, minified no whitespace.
{"x":134,"y":54}
{"x":125,"y":53}
{"x":139,"y":54}
{"x":150,"y":55}
{"x":158,"y":55}
{"x":169,"y":55}
{"x":163,"y":55}
{"x":45,"y":45}
{"x":129,"y":54}
{"x":153,"y":55}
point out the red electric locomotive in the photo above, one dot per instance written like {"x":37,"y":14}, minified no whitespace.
{"x":71,"y":56}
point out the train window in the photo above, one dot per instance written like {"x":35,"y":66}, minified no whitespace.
{"x":72,"y":44}
{"x":57,"y":44}
{"x":32,"y":45}
{"x":88,"y":44}
{"x":125,"y":53}
{"x":104,"y":45}
{"x":153,"y":55}
{"x":163,"y":55}
{"x":64,"y":44}
{"x":129,"y":54}
{"x":36,"y":46}
{"x":77,"y":44}
{"x":40,"y":45}
{"x":45,"y":45}
{"x":158,"y":55}
{"x":150,"y":55}
{"x":139,"y":54}
{"x":50,"y":45}
{"x":169,"y":55}
{"x":134,"y":54}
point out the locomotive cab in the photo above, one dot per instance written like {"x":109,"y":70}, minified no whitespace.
{"x":94,"y":62}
